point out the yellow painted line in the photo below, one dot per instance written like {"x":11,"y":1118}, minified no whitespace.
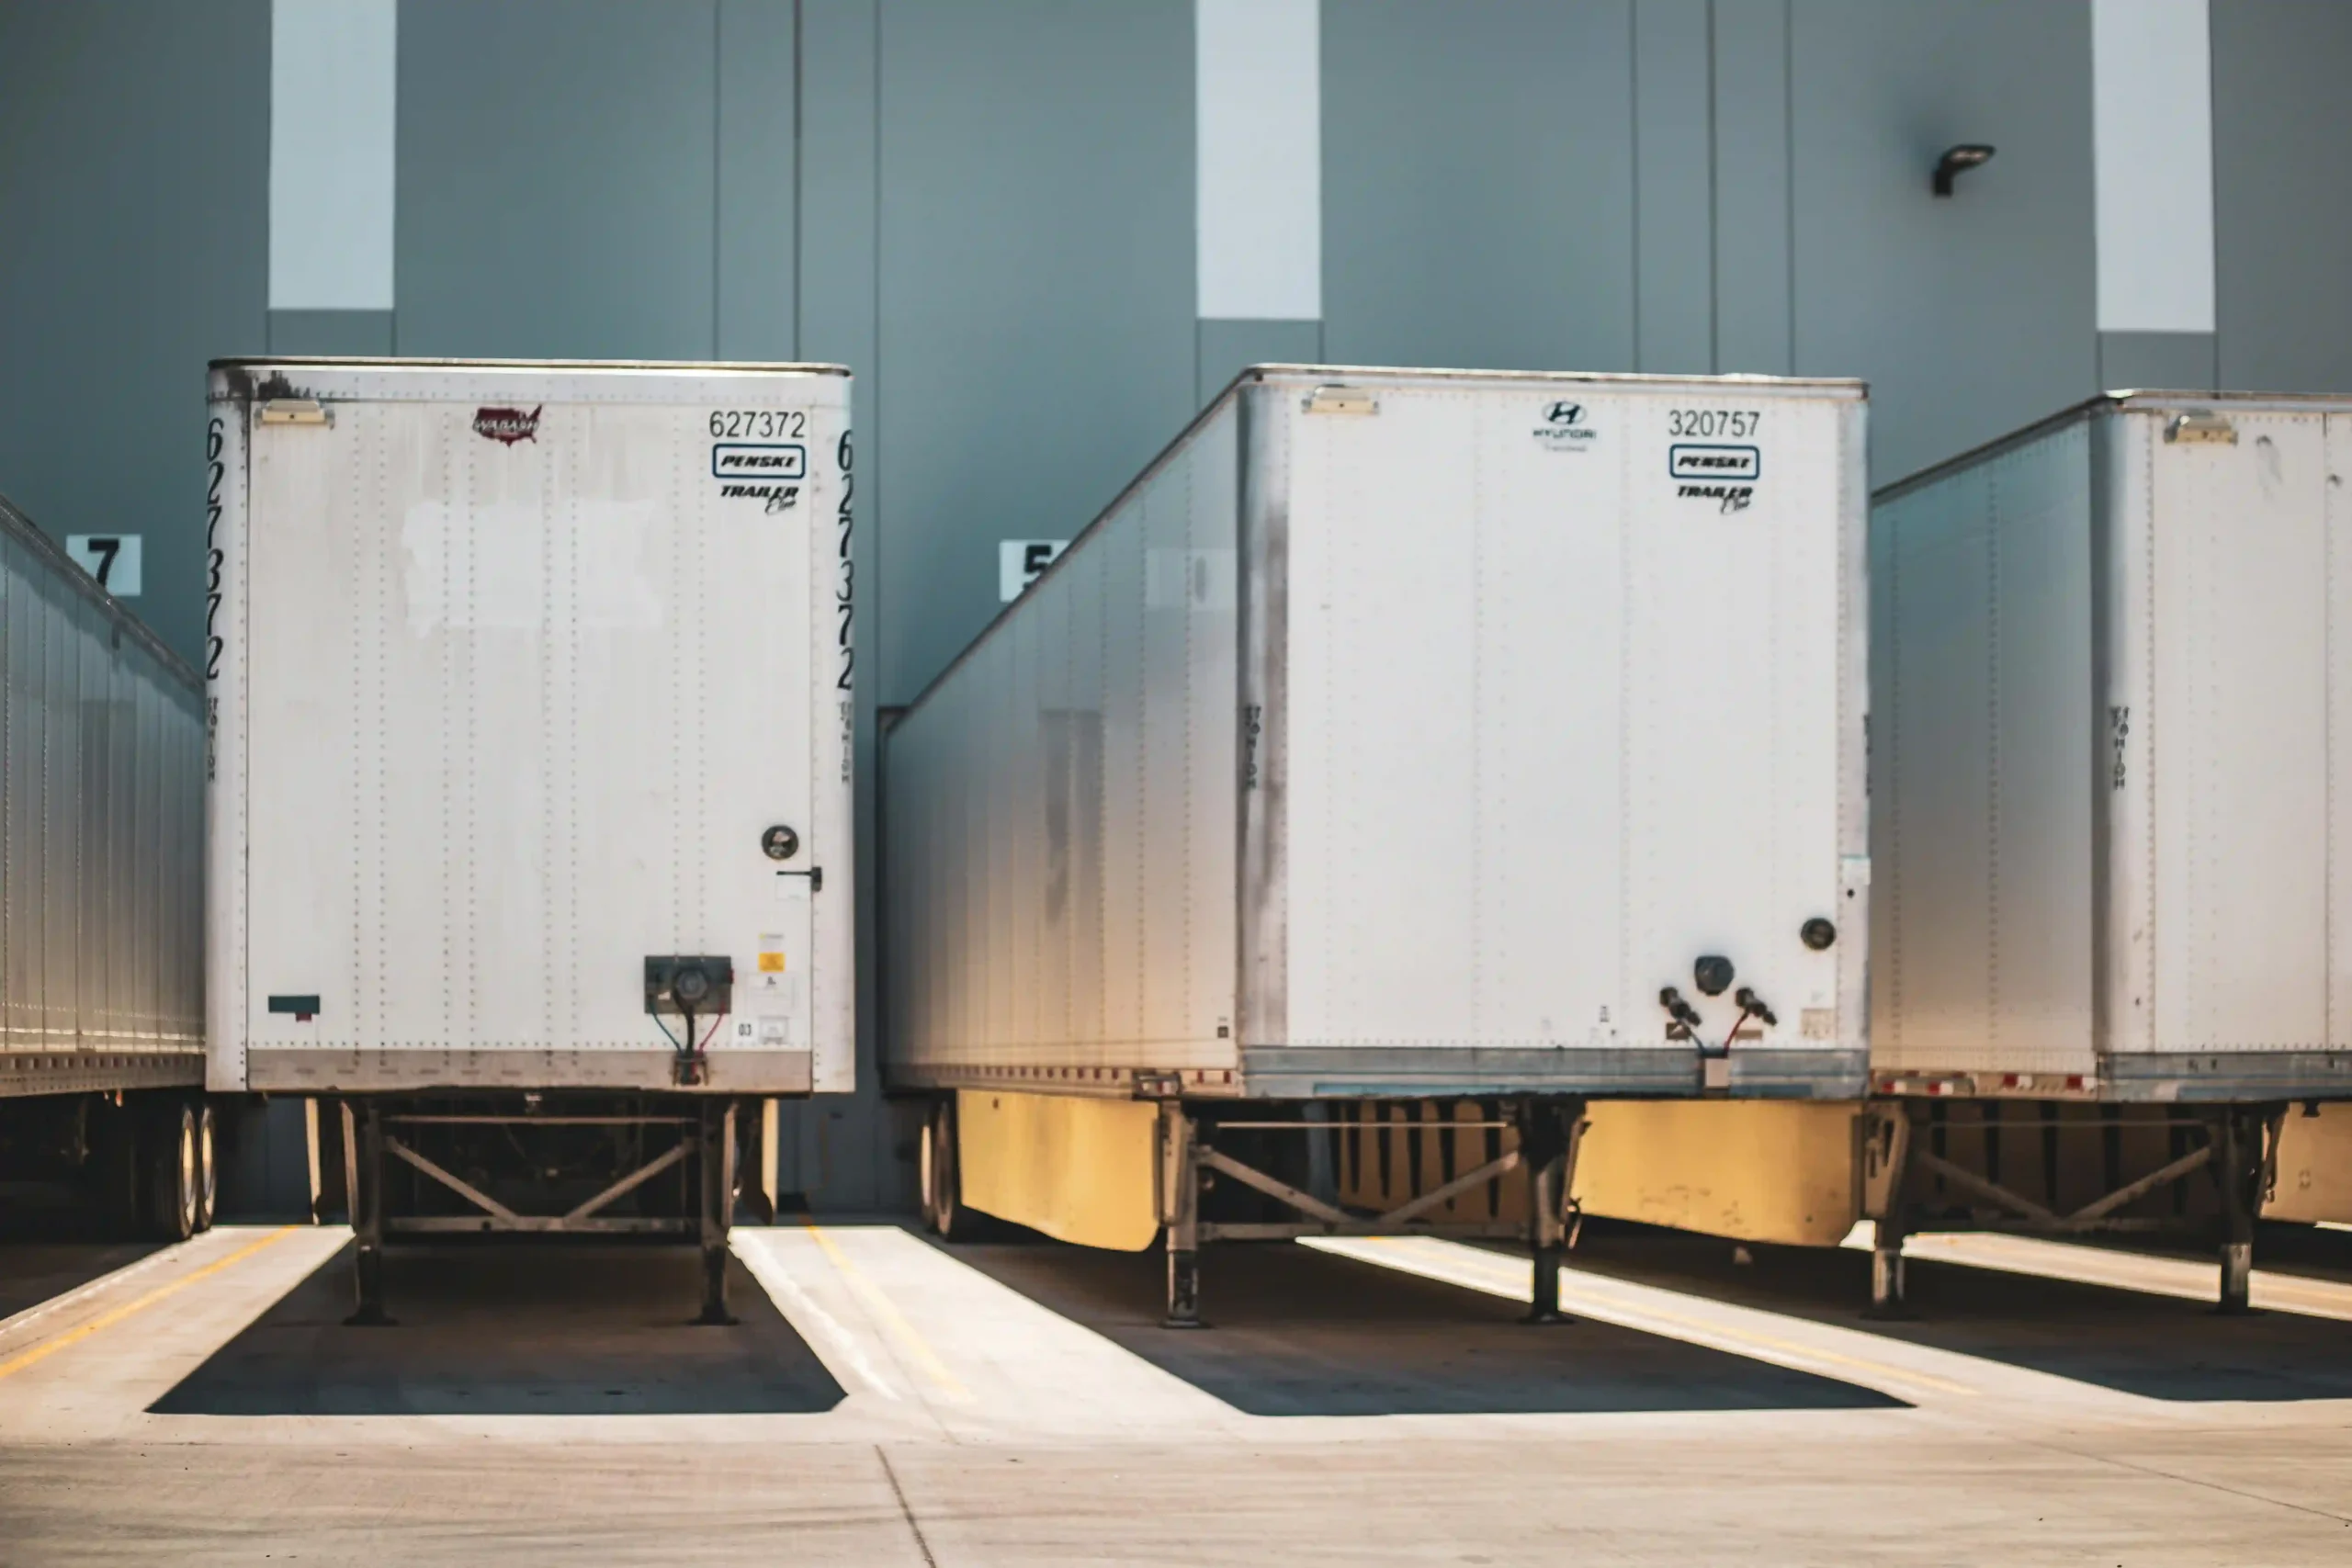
{"x":1633,"y":1315}
{"x":887,"y":1312}
{"x":48,"y":1348}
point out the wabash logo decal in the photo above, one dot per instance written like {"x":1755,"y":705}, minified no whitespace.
{"x":506,"y":426}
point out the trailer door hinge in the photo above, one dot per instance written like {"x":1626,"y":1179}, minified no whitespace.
{"x":2202,"y":425}
{"x":295,"y":411}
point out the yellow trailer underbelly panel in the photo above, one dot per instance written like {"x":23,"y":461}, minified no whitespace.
{"x":1079,"y":1169}
{"x":1757,"y":1170}
{"x":2314,"y":1167}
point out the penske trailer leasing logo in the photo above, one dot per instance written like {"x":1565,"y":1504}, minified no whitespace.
{"x":763,"y":471}
{"x":745,"y":460}
{"x":1706,"y":470}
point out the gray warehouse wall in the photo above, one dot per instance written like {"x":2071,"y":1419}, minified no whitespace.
{"x":987,"y":208}
{"x":1969,"y":315}
{"x":134,"y":225}
{"x":559,"y":198}
{"x":1704,"y":186}
{"x":1036,"y":287}
{"x":1478,"y":185}
{"x":2282,"y":206}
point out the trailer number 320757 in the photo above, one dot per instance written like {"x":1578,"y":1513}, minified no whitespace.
{"x":1738,"y":423}
{"x":758,"y":425}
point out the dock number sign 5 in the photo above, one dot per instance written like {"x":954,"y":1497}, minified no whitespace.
{"x":1020,"y":563}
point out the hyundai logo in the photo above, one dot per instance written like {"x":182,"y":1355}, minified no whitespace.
{"x":1565,"y":414}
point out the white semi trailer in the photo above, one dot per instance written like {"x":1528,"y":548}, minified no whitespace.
{"x":2112,"y":801}
{"x":530,"y":691}
{"x":101,"y":901}
{"x":1397,"y":735}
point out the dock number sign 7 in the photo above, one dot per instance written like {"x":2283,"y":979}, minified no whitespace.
{"x":112,"y":559}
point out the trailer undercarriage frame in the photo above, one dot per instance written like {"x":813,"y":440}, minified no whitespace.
{"x":1550,"y":1130}
{"x":2240,"y":1147}
{"x":371,"y":1136}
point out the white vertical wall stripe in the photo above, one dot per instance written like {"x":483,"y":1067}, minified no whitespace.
{"x":2152,"y":92}
{"x":332,"y":73}
{"x":1261,"y":158}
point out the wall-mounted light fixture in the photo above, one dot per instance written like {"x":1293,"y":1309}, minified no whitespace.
{"x":1967,"y":155}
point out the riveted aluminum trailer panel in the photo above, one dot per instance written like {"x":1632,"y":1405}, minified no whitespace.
{"x":101,"y":836}
{"x":2112,"y":741}
{"x":513,"y":668}
{"x":1406,"y":732}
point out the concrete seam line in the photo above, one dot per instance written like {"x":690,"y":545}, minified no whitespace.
{"x":48,"y":1348}
{"x":906,"y":1511}
{"x":2190,"y":1480}
{"x":886,"y":1312}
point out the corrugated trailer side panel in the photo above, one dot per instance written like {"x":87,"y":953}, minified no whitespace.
{"x":101,"y":983}
{"x":1061,"y":808}
{"x":2110,"y":754}
{"x":1981,"y":807}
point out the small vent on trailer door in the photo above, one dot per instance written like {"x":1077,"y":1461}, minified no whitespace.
{"x":1341,"y":399}
{"x":2202,"y":425}
{"x":294,"y":410}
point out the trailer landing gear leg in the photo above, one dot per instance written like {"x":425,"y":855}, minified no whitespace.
{"x":1180,"y":1203}
{"x":1548,"y":1134}
{"x":717,"y":1209}
{"x":363,"y":1170}
{"x":1888,"y":1303}
{"x":2238,"y":1139}
{"x":1884,"y":1130}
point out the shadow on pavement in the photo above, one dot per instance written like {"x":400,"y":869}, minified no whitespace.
{"x":2159,"y":1347}
{"x":1297,"y":1332}
{"x":511,"y":1328}
{"x":33,"y":1271}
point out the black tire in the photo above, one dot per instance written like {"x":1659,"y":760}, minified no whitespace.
{"x":117,"y":1174}
{"x":943,"y":1196}
{"x":208,"y":1168}
{"x":172,"y":1175}
{"x":926,"y":1162}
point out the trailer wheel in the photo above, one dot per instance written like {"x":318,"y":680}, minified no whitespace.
{"x":118,"y":1174}
{"x":207,"y":1170}
{"x":926,"y":1168}
{"x":943,"y":1196}
{"x":172,"y":1175}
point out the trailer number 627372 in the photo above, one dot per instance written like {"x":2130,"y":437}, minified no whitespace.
{"x":758,"y":425}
